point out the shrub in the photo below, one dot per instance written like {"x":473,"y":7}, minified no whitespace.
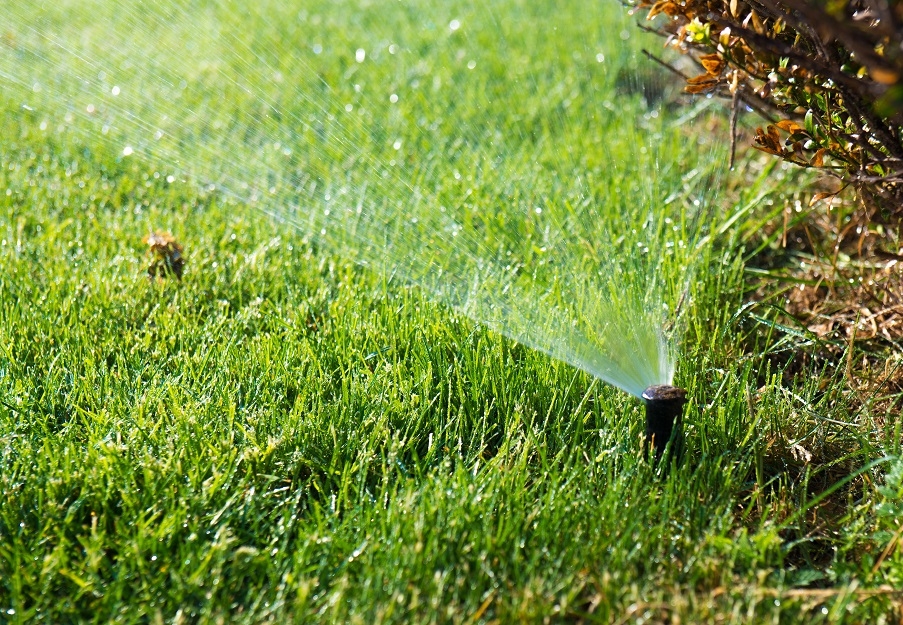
{"x":828,"y":77}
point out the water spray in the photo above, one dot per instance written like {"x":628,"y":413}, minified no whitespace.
{"x":346,"y":164}
{"x":664,"y":412}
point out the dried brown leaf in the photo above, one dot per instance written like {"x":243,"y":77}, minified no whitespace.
{"x":712,"y":63}
{"x":702,"y":78}
{"x":818,"y":197}
{"x":790,"y":126}
{"x":884,"y":76}
{"x":773,"y":134}
{"x":702,"y":88}
{"x":664,"y":6}
{"x":819,"y":159}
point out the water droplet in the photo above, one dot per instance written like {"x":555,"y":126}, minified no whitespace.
{"x":393,"y":49}
{"x":127,"y":150}
{"x":393,"y":98}
{"x":153,"y":558}
{"x":115,"y":90}
{"x":359,"y":55}
{"x":600,"y":58}
{"x":349,"y":107}
{"x":471,"y":64}
{"x":317,"y":48}
{"x":397,"y":144}
{"x":454,"y":25}
{"x":90,"y":108}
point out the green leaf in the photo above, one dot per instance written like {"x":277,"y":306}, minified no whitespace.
{"x":809,"y":123}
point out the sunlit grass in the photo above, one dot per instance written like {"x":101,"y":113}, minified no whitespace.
{"x":293,"y":431}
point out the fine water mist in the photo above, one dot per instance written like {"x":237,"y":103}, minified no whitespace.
{"x":435,"y":143}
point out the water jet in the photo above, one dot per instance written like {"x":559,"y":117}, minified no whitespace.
{"x":664,"y":415}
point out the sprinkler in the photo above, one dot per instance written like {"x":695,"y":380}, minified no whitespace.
{"x":664,"y":409}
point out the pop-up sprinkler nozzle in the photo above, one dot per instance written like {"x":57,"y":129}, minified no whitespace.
{"x":664,"y":412}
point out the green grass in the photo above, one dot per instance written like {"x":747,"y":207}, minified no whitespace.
{"x":288,"y":435}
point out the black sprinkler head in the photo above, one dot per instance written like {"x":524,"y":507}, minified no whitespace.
{"x":664,"y":412}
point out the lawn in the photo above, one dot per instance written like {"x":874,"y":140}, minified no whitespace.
{"x":326,"y":417}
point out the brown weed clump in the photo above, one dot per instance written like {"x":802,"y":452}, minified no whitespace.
{"x":166,"y":255}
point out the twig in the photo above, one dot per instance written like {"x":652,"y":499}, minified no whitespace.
{"x":664,"y":64}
